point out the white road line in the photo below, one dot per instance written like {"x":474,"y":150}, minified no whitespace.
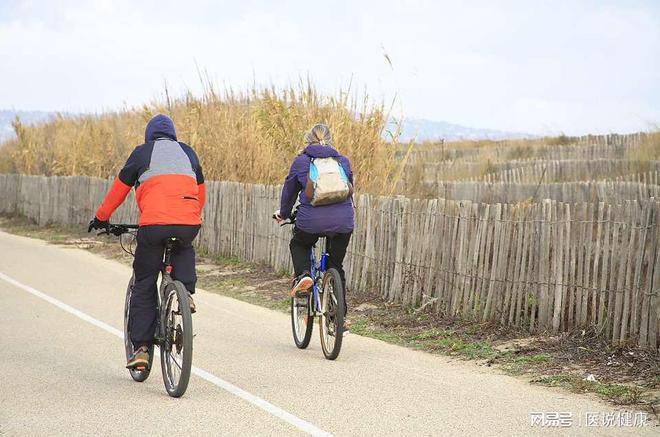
{"x":219,"y":382}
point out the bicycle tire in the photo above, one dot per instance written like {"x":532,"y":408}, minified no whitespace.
{"x":178,"y":336}
{"x":332,"y":314}
{"x":137,"y":375}
{"x":301,"y":338}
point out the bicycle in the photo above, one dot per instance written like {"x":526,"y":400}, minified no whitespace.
{"x":174,"y":333}
{"x":326,"y":301}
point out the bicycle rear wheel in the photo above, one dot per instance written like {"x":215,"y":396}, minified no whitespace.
{"x":302,"y":321}
{"x":331,"y":321}
{"x":177,"y":346}
{"x":137,"y":375}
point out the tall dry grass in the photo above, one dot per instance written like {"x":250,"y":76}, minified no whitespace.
{"x":249,"y":136}
{"x":252,"y":136}
{"x":648,"y":150}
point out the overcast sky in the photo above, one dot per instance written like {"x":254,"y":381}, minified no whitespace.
{"x":529,"y":66}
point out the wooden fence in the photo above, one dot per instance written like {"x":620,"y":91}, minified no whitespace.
{"x":546,"y":266}
{"x":573,"y":192}
{"x":568,"y":170}
{"x":587,"y":147}
{"x":532,"y":171}
{"x":505,"y":152}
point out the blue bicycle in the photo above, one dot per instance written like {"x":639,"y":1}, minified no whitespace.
{"x":325,"y":301}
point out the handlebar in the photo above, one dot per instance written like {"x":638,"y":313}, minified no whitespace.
{"x":288,"y":221}
{"x":117,"y":229}
{"x":291,"y":220}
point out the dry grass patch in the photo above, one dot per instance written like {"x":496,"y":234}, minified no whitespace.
{"x":249,"y":136}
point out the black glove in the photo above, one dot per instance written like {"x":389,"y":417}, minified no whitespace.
{"x":97,"y":224}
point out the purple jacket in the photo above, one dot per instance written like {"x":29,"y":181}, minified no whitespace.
{"x":334,"y":218}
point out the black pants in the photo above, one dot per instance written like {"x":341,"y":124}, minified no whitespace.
{"x":301,"y":245}
{"x":147,"y":265}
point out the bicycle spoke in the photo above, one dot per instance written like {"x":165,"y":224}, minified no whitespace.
{"x":175,"y":374}
{"x":176,"y":362}
{"x":173,"y":371}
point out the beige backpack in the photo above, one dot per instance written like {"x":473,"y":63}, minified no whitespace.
{"x":327,"y":182}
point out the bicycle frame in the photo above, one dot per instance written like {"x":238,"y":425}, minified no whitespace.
{"x":317,"y":274}
{"x":173,"y":336}
{"x":165,"y":280}
{"x":323,"y":301}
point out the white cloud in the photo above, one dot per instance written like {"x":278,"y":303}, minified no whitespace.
{"x":525,"y":66}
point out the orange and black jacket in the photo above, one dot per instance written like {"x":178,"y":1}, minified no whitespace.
{"x":168,"y":181}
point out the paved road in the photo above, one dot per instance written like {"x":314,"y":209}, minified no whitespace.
{"x":61,"y":368}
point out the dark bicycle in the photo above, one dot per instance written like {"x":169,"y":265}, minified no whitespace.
{"x":174,"y":332}
{"x":326,"y":300}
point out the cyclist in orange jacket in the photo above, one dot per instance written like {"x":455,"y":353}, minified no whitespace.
{"x":169,"y":189}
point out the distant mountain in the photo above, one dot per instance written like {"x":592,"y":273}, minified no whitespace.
{"x":27,"y":117}
{"x":423,"y":130}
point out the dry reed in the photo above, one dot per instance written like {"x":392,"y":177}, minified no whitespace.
{"x":252,"y":136}
{"x":249,"y":136}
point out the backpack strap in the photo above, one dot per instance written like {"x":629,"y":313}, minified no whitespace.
{"x":311,"y":158}
{"x":309,"y":185}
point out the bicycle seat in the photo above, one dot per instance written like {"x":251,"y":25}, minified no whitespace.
{"x":172,"y":241}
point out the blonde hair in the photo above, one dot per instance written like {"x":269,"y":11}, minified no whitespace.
{"x":318,"y":134}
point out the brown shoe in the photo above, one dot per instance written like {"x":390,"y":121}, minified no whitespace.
{"x":346,"y":328}
{"x":139,"y":359}
{"x":301,"y":285}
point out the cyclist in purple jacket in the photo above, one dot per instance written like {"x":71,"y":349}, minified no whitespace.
{"x":334,"y":221}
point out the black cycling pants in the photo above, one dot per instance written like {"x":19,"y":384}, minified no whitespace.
{"x":148,"y":264}
{"x":301,"y":246}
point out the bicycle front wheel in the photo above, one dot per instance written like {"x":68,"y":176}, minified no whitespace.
{"x":138,"y":375}
{"x":177,"y":346}
{"x":332,"y":314}
{"x":302,"y":321}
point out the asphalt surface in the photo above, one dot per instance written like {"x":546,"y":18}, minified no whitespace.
{"x":62,"y":370}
